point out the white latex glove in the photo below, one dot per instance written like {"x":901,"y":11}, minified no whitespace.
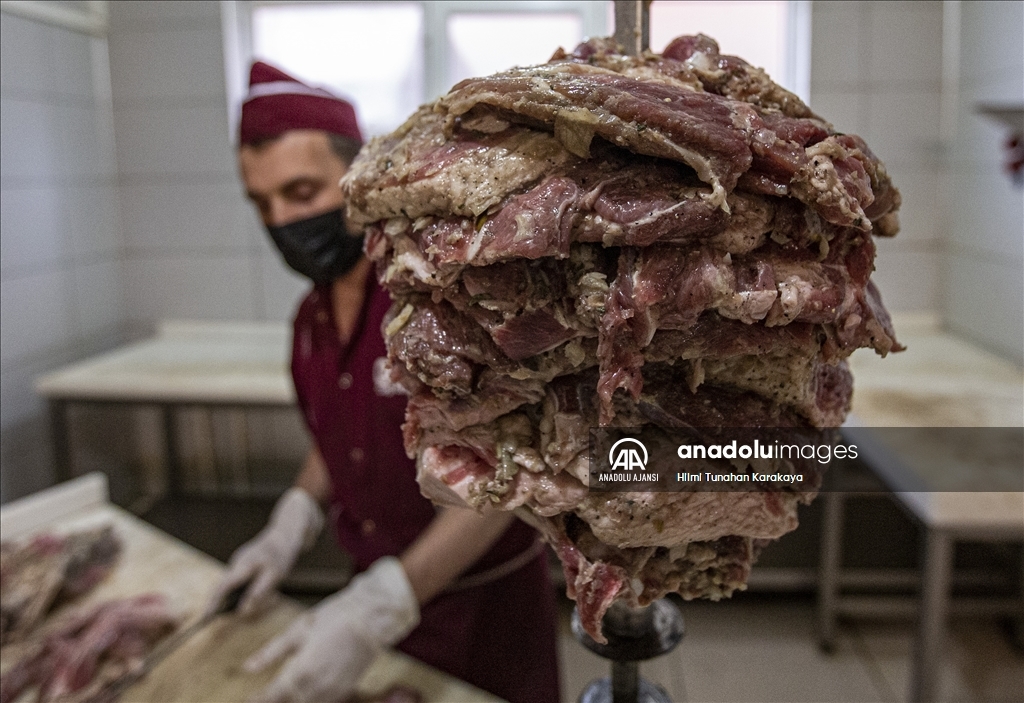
{"x":267,"y":558}
{"x":336,"y":641}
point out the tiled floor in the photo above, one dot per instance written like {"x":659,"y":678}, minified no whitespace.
{"x":764,"y":649}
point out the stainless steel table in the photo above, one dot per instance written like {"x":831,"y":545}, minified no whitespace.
{"x":187,"y":364}
{"x":940,"y":381}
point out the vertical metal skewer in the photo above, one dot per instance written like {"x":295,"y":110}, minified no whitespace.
{"x":634,"y":635}
{"x":633,"y":25}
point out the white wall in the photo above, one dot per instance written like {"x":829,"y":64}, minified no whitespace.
{"x":983,"y":273}
{"x":194,"y":246}
{"x":61,"y":252}
{"x":876,"y":71}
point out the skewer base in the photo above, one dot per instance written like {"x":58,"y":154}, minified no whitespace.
{"x":600,"y":691}
{"x":634,"y":635}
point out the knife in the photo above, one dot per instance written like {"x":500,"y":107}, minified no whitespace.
{"x":229,"y":604}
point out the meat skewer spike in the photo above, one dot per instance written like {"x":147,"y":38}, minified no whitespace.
{"x":633,"y":25}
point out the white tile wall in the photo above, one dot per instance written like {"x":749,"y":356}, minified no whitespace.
{"x":876,"y":72}
{"x":30,"y":226}
{"x":72,"y":76}
{"x":187,"y":216}
{"x":908,"y":279}
{"x":195,"y":247}
{"x":903,"y":126}
{"x":136,"y":14}
{"x":990,"y":37}
{"x":845,"y":109}
{"x":28,"y":139}
{"x":984,"y":269}
{"x":191,"y":286}
{"x":179,"y":64}
{"x":171,"y":140}
{"x":192,"y":246}
{"x":904,"y":44}
{"x":91,"y":220}
{"x":99,"y":300}
{"x":26,"y":51}
{"x":80,"y":151}
{"x":36,"y":316}
{"x":282,"y":288}
{"x":61,"y":288}
{"x":984,"y":225}
{"x":47,"y":224}
{"x":839,"y":32}
{"x":985,"y":301}
{"x":920,"y":220}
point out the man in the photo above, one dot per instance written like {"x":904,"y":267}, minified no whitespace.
{"x":468,"y":594}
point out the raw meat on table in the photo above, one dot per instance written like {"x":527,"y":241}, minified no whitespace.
{"x":38,"y":572}
{"x":76,"y":661}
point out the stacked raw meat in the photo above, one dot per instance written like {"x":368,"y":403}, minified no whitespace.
{"x":604,"y":240}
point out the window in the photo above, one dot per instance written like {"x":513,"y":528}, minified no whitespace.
{"x":754,"y":30}
{"x":389,"y":57}
{"x":772,"y":34}
{"x":369,"y":53}
{"x":478,"y":44}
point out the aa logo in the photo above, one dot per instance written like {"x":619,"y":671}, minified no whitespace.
{"x":626,"y":455}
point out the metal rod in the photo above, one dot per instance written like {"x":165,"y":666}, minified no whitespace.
{"x":171,"y":456}
{"x":633,"y":635}
{"x":622,"y":619}
{"x":625,"y":682}
{"x":926,"y":669}
{"x":60,"y":432}
{"x":633,"y":25}
{"x":831,"y":562}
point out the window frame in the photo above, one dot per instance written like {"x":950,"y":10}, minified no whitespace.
{"x":236,"y":26}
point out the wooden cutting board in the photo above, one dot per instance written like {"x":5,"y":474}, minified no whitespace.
{"x":207,"y":667}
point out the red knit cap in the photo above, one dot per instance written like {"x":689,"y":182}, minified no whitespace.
{"x":277,"y":103}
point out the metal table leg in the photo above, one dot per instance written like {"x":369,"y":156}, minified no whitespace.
{"x":1018,"y":623}
{"x":60,"y":434}
{"x":172,"y":465}
{"x":828,"y":569}
{"x":936,"y":571}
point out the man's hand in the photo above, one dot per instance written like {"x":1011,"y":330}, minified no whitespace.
{"x":338,"y":640}
{"x":267,"y":558}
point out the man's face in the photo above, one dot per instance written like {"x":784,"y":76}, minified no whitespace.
{"x":293,"y":177}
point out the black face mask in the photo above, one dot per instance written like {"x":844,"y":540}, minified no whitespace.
{"x":319,"y":247}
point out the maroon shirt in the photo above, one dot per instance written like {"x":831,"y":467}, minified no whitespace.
{"x":376,"y":509}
